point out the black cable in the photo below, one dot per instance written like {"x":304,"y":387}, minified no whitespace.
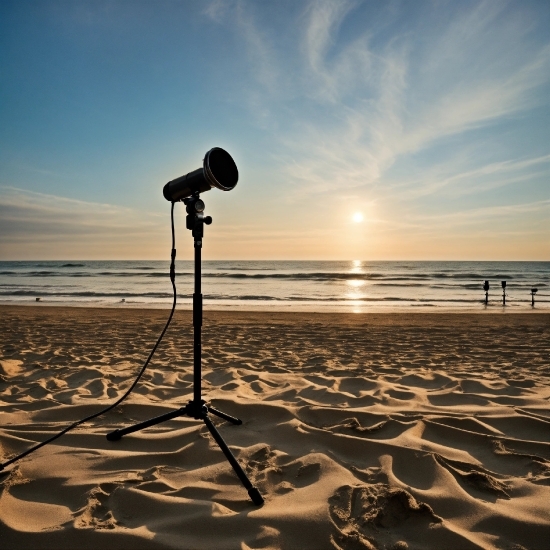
{"x":120,"y":400}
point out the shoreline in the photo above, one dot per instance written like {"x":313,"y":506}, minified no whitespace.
{"x":523,"y":309}
{"x":214,"y":317}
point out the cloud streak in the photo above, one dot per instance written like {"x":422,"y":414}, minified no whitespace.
{"x":385,"y":98}
{"x":50,"y":223}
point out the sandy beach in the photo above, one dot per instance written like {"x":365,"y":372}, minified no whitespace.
{"x":387,"y":431}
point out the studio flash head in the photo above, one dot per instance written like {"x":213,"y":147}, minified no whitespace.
{"x":218,"y":170}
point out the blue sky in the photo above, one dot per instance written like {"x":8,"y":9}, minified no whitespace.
{"x":431,"y":118}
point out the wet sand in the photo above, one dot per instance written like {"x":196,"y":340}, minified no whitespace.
{"x":418,"y":430}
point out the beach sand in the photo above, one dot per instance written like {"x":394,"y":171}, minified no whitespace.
{"x":392,"y":431}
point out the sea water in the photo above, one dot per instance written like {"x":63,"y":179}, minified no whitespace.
{"x":323,"y":286}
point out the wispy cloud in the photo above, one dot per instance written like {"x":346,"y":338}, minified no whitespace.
{"x":52,"y":223}
{"x":490,"y":213}
{"x":368,"y":103}
{"x":329,"y":79}
{"x":474,"y":181}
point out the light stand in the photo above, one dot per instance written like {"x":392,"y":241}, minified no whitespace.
{"x":197,"y":408}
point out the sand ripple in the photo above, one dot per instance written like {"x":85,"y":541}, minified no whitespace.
{"x":382,"y":431}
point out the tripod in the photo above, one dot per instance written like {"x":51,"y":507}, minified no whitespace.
{"x":197,"y":407}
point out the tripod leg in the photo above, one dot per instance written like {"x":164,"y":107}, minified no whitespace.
{"x":225,"y":416}
{"x":117,"y":434}
{"x":253,"y":492}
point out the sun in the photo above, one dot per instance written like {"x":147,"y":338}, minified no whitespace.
{"x":357,"y":217}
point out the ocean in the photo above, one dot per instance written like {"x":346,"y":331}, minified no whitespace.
{"x":324,"y":286}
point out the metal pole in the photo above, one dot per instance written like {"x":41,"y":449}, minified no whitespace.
{"x":197,"y":321}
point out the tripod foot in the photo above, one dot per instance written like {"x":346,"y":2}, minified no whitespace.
{"x":114,"y":436}
{"x":256,"y":497}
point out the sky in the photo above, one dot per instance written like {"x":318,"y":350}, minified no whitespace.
{"x":374,"y":130}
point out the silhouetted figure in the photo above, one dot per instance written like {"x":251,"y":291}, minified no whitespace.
{"x":486,"y":289}
{"x":503,"y":293}
{"x":533,"y":292}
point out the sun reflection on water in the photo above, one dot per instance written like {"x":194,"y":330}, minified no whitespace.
{"x":353,"y":291}
{"x":356,"y":266}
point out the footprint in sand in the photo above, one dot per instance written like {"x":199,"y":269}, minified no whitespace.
{"x":373,"y":516}
{"x":97,"y":511}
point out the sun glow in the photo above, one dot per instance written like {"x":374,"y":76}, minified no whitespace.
{"x":357,"y":217}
